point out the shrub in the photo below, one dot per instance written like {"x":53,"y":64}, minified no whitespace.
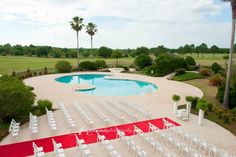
{"x":87,"y":65}
{"x":226,"y":117}
{"x":210,"y":107}
{"x":202,"y":105}
{"x":234,"y":113}
{"x":175,"y":97}
{"x":205,"y":72}
{"x":180,"y":71}
{"x":15,"y":99}
{"x":167,"y":63}
{"x":219,"y":112}
{"x":216,"y":67}
{"x":226,"y":57}
{"x":189,"y":98}
{"x":126,"y":68}
{"x":63,"y":67}
{"x":35,"y":73}
{"x":13,"y":74}
{"x":190,"y":60}
{"x":100,"y":64}
{"x":29,"y":73}
{"x":216,"y":80}
{"x":40,"y":73}
{"x":143,"y":61}
{"x":45,"y":71}
{"x":192,"y":67}
{"x":42,"y":104}
{"x":194,"y":102}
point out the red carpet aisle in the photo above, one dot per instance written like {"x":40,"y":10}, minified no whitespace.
{"x":25,"y":148}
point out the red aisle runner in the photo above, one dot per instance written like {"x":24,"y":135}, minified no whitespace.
{"x":22,"y":149}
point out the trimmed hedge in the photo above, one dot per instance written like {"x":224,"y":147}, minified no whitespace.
{"x":63,"y":67}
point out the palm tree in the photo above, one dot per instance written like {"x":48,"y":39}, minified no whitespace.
{"x":77,"y":25}
{"x":91,"y":29}
{"x":227,"y":87}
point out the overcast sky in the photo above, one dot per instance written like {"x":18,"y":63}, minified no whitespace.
{"x":121,"y":23}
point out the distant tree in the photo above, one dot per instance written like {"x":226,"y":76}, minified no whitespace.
{"x":214,"y":49}
{"x":91,"y":29}
{"x":143,"y":61}
{"x":77,"y":25}
{"x":201,"y":49}
{"x":141,"y":50}
{"x":117,"y":54}
{"x":104,"y":52}
{"x":161,"y":50}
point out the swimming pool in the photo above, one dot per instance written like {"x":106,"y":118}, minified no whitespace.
{"x":107,"y":87}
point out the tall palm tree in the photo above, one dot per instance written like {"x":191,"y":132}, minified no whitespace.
{"x":227,"y":87}
{"x":91,"y":29}
{"x":77,"y":25}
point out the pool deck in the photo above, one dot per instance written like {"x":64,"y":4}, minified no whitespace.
{"x":159,"y":103}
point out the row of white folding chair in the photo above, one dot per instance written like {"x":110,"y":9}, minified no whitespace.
{"x":179,"y":147}
{"x":83,"y":148}
{"x":124,"y":111}
{"x":162,"y":151}
{"x":83,"y":114}
{"x":138,"y":108}
{"x":107,"y":146}
{"x":132,"y":146}
{"x":113,"y":112}
{"x":38,"y":151}
{"x":67,"y":116}
{"x":58,"y":150}
{"x":102,"y":116}
{"x":200,"y":144}
{"x":14,"y":128}
{"x":51,"y":120}
{"x":33,"y":123}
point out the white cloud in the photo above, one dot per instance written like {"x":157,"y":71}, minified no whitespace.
{"x":152,"y":22}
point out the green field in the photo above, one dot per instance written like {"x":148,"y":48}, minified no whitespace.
{"x":10,"y":63}
{"x":18,"y":64}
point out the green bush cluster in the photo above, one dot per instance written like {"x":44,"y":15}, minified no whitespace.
{"x":180,"y":71}
{"x":43,"y":104}
{"x":63,"y":66}
{"x":16,"y":99}
{"x":89,"y":65}
{"x":143,"y":61}
{"x":215,"y":67}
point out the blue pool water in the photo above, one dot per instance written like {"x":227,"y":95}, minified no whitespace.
{"x":106,"y":87}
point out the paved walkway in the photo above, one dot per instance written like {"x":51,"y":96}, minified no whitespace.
{"x":159,"y":104}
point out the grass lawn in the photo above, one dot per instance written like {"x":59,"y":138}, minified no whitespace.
{"x":10,"y":63}
{"x":187,"y":76}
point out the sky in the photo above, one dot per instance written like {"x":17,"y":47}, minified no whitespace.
{"x":120,"y":23}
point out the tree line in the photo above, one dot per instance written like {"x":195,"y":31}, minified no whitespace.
{"x":106,"y":52}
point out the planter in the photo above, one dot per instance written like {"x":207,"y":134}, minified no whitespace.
{"x":200,"y":117}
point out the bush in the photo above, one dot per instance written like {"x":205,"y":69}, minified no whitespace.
{"x":194,"y":102}
{"x":219,"y":112}
{"x":45,"y":71}
{"x":142,"y":61}
{"x":233,"y":111}
{"x":189,"y":98}
{"x":100,"y":64}
{"x":16,"y":99}
{"x":190,"y":61}
{"x":180,"y":71}
{"x":13,"y":74}
{"x":126,"y":68}
{"x":202,"y":105}
{"x":42,"y":104}
{"x":63,"y":67}
{"x":226,"y":117}
{"x":192,"y":67}
{"x":175,"y":97}
{"x":226,"y":57}
{"x":216,"y":80}
{"x":167,"y":63}
{"x":216,"y":67}
{"x":205,"y":72}
{"x":29,"y":73}
{"x":87,"y":65}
